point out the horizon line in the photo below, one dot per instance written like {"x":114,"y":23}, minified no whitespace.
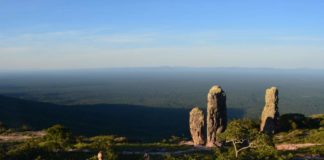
{"x":153,"y":67}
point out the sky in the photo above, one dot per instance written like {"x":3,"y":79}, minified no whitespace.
{"x":73,"y":34}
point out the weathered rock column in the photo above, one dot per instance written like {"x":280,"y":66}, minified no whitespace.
{"x":270,"y":113}
{"x":197,"y":123}
{"x":216,"y":114}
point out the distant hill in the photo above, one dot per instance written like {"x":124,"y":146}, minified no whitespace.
{"x":134,"y":122}
{"x":300,"y":91}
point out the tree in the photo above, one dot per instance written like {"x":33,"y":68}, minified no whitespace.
{"x":110,"y":154}
{"x":58,"y":137}
{"x":105,"y":144}
{"x":243,"y":135}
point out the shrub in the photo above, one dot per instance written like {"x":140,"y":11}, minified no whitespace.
{"x":58,"y":137}
{"x":25,"y":150}
{"x":294,"y":121}
{"x":3,"y":128}
{"x":246,"y":141}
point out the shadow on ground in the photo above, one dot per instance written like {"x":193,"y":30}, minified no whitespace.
{"x":133,"y":121}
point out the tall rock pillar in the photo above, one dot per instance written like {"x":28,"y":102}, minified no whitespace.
{"x":216,"y":114}
{"x":270,"y":113}
{"x":197,"y":123}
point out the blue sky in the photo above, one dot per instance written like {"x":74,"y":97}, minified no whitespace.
{"x":56,"y":34}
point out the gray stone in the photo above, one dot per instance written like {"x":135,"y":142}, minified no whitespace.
{"x":270,"y":113}
{"x":197,"y":123}
{"x":216,"y":115}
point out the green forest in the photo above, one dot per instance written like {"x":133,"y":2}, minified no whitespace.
{"x":300,"y":90}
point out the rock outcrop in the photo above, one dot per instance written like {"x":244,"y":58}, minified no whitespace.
{"x":216,"y":114}
{"x":270,"y":113}
{"x":197,"y":123}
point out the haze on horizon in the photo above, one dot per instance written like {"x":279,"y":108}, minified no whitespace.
{"x":105,"y":34}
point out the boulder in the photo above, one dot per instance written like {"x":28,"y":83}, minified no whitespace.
{"x":197,"y":123}
{"x":216,"y":115}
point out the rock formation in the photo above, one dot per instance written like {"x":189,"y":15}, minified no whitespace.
{"x":270,"y":113}
{"x":216,"y":114}
{"x":197,"y":123}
